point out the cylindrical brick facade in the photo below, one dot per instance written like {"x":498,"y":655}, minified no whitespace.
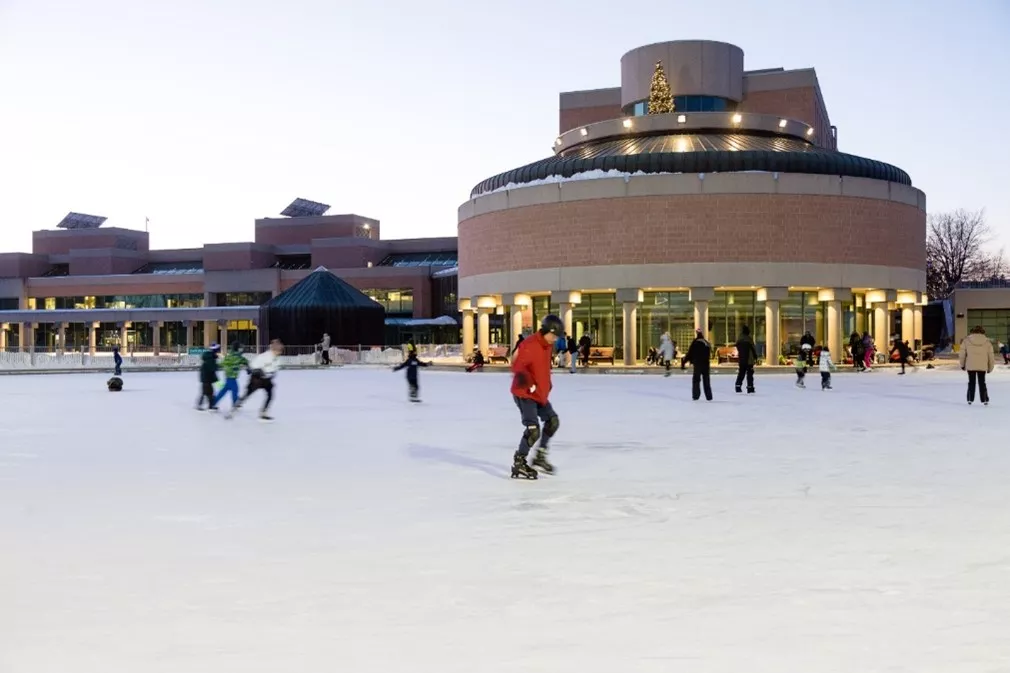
{"x":698,"y":228}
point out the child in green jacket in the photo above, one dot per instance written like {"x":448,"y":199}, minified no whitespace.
{"x":232,"y":364}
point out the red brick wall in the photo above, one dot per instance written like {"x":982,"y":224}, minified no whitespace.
{"x":346,"y":257}
{"x":236,"y":260}
{"x":100,"y":265}
{"x":62,"y":242}
{"x":703,"y":228}
{"x":576,"y":117}
{"x":22,"y":265}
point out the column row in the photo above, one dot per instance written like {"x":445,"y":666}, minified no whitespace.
{"x":883,"y":302}
{"x":26,"y":332}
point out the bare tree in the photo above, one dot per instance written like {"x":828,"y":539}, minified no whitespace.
{"x":955,"y":251}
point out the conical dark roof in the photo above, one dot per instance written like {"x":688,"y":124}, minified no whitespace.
{"x":321,"y":289}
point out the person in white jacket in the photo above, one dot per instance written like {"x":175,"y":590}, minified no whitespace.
{"x":262,"y":370}
{"x":667,"y":350}
{"x":826,"y":367}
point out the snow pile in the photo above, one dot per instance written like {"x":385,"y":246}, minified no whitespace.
{"x":597,"y":174}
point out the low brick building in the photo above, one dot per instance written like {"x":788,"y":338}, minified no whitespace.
{"x":85,"y":286}
{"x":736,"y":209}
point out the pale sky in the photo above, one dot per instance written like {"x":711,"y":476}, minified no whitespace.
{"x":205,"y":114}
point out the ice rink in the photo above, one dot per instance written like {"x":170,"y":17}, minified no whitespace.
{"x":862,"y":529}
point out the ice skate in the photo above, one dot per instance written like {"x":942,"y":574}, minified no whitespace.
{"x":540,"y":461}
{"x":739,"y":389}
{"x":751,"y":391}
{"x":265,"y":418}
{"x":800,"y":384}
{"x":520,"y":470}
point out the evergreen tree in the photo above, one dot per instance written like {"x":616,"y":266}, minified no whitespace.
{"x":660,"y":96}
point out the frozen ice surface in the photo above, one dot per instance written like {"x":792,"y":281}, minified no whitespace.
{"x":862,"y":529}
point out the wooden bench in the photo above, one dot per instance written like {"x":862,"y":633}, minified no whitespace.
{"x":601,"y":354}
{"x":498,"y":354}
{"x":726,"y":354}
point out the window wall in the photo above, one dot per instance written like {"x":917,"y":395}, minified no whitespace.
{"x":660,"y":312}
{"x":996,"y":323}
{"x":689,"y":104}
{"x":396,"y":302}
{"x":118,"y":301}
{"x":242,"y":298}
{"x":730,"y":311}
{"x":600,"y":317}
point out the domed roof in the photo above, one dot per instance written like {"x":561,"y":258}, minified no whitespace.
{"x":696,"y":152}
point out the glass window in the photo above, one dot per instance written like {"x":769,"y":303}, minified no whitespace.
{"x":8,"y":303}
{"x":243,"y":298}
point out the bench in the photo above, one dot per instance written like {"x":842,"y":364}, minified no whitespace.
{"x":726,"y":354}
{"x":498,"y":354}
{"x":601,"y":354}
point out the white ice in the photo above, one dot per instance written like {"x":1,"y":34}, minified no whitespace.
{"x":862,"y":529}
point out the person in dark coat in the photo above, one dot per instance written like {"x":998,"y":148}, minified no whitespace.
{"x":573,"y":353}
{"x":117,"y":359}
{"x":856,"y":347}
{"x":411,"y":364}
{"x":699,"y":354}
{"x":208,"y":377}
{"x":585,"y":344}
{"x":519,"y":342}
{"x":808,"y":339}
{"x":746,"y":359}
{"x":903,"y":351}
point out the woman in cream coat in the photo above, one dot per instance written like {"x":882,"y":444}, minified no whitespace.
{"x":977,"y":358}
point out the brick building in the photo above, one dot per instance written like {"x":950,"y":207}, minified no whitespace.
{"x":736,"y":209}
{"x":93,"y":287}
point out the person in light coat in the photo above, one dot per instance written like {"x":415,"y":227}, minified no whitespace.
{"x":262,"y":371}
{"x":977,"y":359}
{"x":826,"y":365}
{"x":667,"y":350}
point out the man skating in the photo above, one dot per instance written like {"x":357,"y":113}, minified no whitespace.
{"x":699,"y":354}
{"x":232,"y":364}
{"x":531,"y":388}
{"x":262,"y":371}
{"x":411,"y":364}
{"x":746,"y":359}
{"x":208,"y":377}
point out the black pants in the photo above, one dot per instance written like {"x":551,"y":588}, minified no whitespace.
{"x":326,"y":356}
{"x":532,"y":414}
{"x":825,"y":380}
{"x":800,"y":375}
{"x":983,"y":391}
{"x":207,"y":393}
{"x":701,"y":377}
{"x":748,"y":372}
{"x":260,"y":382}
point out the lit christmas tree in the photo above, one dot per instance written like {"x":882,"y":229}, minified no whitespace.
{"x":660,"y":97}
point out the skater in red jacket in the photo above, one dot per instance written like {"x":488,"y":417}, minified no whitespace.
{"x":531,"y":387}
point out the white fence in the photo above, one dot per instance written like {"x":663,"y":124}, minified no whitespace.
{"x":341,"y":355}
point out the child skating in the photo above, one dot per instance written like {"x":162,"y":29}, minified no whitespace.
{"x":531,"y":388}
{"x":208,"y":377}
{"x":232,"y":364}
{"x":801,"y":372}
{"x":826,"y":367}
{"x":411,"y":364}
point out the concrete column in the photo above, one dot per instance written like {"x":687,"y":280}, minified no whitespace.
{"x":92,"y":338}
{"x":917,"y":326}
{"x":223,"y":334}
{"x":701,"y":316}
{"x":819,"y":332}
{"x":881,"y":325}
{"x":517,"y":322}
{"x":28,"y":337}
{"x":467,"y":332}
{"x":858,"y":306}
{"x":209,"y":333}
{"x":189,"y":335}
{"x":3,"y":337}
{"x":156,"y":329}
{"x":566,"y":316}
{"x":61,"y":337}
{"x":630,"y":298}
{"x":123,"y":347}
{"x":484,"y":330}
{"x":630,"y":332}
{"x":908,"y":324}
{"x":834,"y":336}
{"x":701,"y":296}
{"x":773,"y":339}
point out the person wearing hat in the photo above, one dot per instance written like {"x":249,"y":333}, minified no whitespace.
{"x":531,"y":389}
{"x":699,"y":354}
{"x":208,"y":377}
